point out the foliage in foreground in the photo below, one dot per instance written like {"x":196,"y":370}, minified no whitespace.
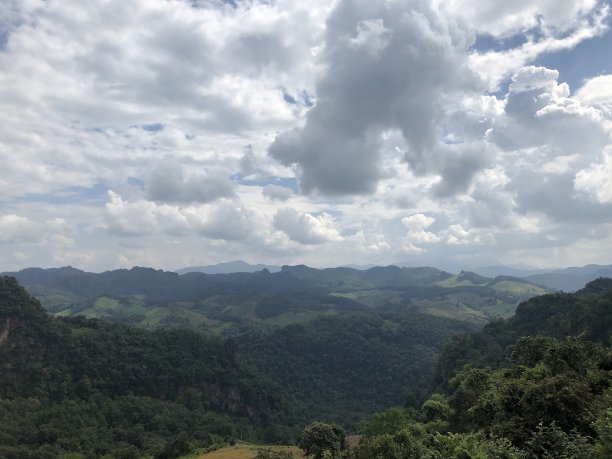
{"x":319,"y":438}
{"x":543,"y":397}
{"x":553,"y":401}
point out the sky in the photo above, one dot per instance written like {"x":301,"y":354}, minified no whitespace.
{"x":174,"y":133}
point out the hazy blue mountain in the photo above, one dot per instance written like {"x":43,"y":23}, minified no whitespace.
{"x":500,"y":270}
{"x":230,"y":267}
{"x":571,"y":279}
{"x":359,"y":267}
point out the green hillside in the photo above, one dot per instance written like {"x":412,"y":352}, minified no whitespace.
{"x":587,"y":312}
{"x":345,"y":367}
{"x":97,"y":388}
{"x":127,"y":389}
{"x":538,"y":385}
{"x":535,"y":385}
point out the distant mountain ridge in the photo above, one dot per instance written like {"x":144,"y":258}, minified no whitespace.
{"x":226,"y":303}
{"x":237,"y":266}
{"x":500,"y":270}
{"x":571,"y":279}
{"x":565,"y":279}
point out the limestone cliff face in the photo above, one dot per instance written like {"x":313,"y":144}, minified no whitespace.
{"x":5,"y":329}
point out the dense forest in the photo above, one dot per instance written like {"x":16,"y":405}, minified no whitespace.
{"x":98,"y":388}
{"x":86,"y":385}
{"x":535,"y":385}
{"x":342,"y":368}
{"x":538,"y":385}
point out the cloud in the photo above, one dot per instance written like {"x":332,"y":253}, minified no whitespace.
{"x":457,"y":235}
{"x":20,"y":229}
{"x":228,"y":221}
{"x":596,"y":180}
{"x":277,"y":192}
{"x":169,"y":183}
{"x":546,"y":137}
{"x":88,"y":92}
{"x":550,"y":28}
{"x":457,"y":166}
{"x":540,"y":112}
{"x":306,"y":228}
{"x":417,"y":233}
{"x":380,"y":111}
{"x":377,"y":79}
{"x":597,"y":92}
{"x":508,"y":18}
{"x":16,"y":228}
{"x":131,"y":218}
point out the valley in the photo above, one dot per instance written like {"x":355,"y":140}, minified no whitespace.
{"x":158,"y":364}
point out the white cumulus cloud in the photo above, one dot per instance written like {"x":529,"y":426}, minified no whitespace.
{"x":306,"y":228}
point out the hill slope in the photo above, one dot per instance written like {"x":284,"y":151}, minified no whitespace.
{"x":587,"y":313}
{"x":344,"y":368}
{"x":93,"y":387}
{"x":538,"y":385}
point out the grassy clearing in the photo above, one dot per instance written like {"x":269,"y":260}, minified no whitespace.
{"x":248,"y":451}
{"x":105,"y":303}
{"x":374,"y":298}
{"x":454,"y":281}
{"x":298,"y":317}
{"x":518,"y":288}
{"x":458,"y":312}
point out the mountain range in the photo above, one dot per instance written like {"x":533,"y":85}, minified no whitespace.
{"x":220,"y":303}
{"x":565,"y":279}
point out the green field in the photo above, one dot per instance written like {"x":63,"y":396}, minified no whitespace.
{"x":519,"y":288}
{"x":248,"y":451}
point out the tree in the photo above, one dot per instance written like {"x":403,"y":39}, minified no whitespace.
{"x":319,"y":437}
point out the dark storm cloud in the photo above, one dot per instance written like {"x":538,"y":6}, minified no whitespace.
{"x":389,"y":65}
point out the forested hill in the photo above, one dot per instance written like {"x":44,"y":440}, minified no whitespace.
{"x":536,"y":386}
{"x":586,"y":313}
{"x":96,"y":388}
{"x":164,"y":285}
{"x":220,"y":303}
{"x":345,"y":367}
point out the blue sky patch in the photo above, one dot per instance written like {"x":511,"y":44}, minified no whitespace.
{"x":154,"y":127}
{"x":289,"y":98}
{"x":587,"y":60}
{"x":71,"y":195}
{"x":307,"y":99}
{"x":290,"y":183}
{"x":136,"y":182}
{"x":486,"y":42}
